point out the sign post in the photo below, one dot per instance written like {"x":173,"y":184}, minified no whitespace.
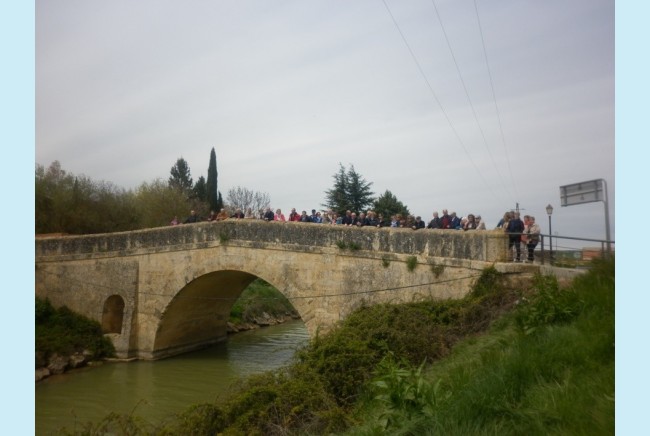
{"x":588,"y":192}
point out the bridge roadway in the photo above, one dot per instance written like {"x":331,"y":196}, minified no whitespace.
{"x":164,"y":291}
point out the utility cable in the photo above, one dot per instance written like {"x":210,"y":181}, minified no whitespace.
{"x":469,"y":100}
{"x":494,"y":98}
{"x":433,"y":93}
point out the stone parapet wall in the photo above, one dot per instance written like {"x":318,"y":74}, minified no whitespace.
{"x":484,"y":246}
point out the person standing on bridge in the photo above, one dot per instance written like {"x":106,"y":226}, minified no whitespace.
{"x":279,"y":216}
{"x":532,"y":232}
{"x":222,"y":215}
{"x":515,"y":229}
{"x":268,"y":215}
{"x":418,"y":223}
{"x":435,"y":222}
{"x":294,"y":216}
{"x":193,"y":218}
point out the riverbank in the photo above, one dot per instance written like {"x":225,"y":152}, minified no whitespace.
{"x":265,"y":320}
{"x":58,"y":364}
{"x":67,"y":341}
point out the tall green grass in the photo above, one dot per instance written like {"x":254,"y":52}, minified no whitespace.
{"x":547,"y":369}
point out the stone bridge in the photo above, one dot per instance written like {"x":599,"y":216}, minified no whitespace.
{"x":164,"y":291}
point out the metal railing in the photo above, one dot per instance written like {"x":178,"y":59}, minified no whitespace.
{"x":574,"y":252}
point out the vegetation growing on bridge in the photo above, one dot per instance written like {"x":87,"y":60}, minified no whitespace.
{"x":423,"y":368}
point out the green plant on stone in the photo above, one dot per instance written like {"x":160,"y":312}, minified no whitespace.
{"x":437,"y":270}
{"x":411,"y":262}
{"x":224,"y":237}
{"x":341,"y":244}
{"x":354,"y":246}
{"x":385,"y":261}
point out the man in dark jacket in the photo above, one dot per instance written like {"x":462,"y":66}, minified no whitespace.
{"x":514,"y":230}
{"x":418,"y":223}
{"x":435,"y":222}
{"x":193,"y":218}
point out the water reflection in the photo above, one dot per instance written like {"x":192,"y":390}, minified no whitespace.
{"x":156,"y":390}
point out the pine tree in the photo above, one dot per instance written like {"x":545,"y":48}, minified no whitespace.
{"x":359,"y":193}
{"x":388,"y":205}
{"x":180,"y":176}
{"x":350,"y":192}
{"x":213,"y":195}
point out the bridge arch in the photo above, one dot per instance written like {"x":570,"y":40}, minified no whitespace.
{"x":113,"y":314}
{"x":197,"y":315}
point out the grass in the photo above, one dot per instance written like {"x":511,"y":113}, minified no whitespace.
{"x":547,"y":368}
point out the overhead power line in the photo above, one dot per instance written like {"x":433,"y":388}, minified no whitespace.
{"x":494,"y":98}
{"x":469,"y":100}
{"x":433,"y":93}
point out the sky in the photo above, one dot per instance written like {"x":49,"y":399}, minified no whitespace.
{"x":471,"y":106}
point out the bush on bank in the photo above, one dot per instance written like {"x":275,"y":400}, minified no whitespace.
{"x":259,"y":298}
{"x":65,"y":332}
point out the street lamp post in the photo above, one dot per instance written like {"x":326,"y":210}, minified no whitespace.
{"x":549,"y":211}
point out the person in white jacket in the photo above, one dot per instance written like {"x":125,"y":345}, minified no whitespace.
{"x":532,"y":232}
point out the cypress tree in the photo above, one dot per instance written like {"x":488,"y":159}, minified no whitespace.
{"x":212,"y":190}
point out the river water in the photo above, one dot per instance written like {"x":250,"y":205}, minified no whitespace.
{"x":159,"y":389}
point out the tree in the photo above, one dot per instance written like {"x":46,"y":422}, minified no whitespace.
{"x":350,"y":192}
{"x":78,"y":205}
{"x":244,"y":198}
{"x":200,"y":190}
{"x":181,"y":178}
{"x":212,"y":191}
{"x":157,"y":203}
{"x":388,"y":205}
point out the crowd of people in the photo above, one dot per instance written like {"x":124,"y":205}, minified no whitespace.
{"x":519,"y":231}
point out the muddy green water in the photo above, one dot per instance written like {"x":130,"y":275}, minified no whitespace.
{"x":156,"y":390}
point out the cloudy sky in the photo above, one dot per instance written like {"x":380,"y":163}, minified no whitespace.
{"x":470,"y":105}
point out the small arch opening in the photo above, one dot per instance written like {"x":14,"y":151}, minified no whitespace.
{"x":113,"y":314}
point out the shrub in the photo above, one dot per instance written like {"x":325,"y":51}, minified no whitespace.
{"x":405,"y":394}
{"x":549,"y":305}
{"x":65,"y":332}
{"x":257,"y":298}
